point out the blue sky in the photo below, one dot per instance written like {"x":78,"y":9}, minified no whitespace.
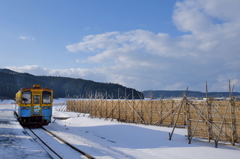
{"x":146,"y":45}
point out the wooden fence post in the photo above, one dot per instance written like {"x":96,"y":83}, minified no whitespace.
{"x":179,"y":109}
{"x":209,"y":115}
{"x":233,"y":116}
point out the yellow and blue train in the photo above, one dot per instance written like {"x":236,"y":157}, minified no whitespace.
{"x":34,"y":106}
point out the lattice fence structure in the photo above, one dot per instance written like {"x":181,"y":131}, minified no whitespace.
{"x":152,"y":112}
{"x":212,"y":120}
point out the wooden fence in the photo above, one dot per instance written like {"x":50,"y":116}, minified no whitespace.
{"x":212,"y":120}
{"x":153,"y":112}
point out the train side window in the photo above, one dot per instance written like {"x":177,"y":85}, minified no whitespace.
{"x":46,"y":97}
{"x":26,"y":97}
{"x":36,"y":99}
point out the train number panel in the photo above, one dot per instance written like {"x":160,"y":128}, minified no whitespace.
{"x":34,"y":106}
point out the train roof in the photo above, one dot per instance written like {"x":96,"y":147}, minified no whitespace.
{"x":35,"y":87}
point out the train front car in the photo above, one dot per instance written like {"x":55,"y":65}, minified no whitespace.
{"x":34,"y":106}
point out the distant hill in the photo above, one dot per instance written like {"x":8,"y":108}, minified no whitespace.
{"x":178,"y":93}
{"x":11,"y":82}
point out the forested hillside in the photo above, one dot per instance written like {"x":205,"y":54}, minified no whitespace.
{"x":11,"y":82}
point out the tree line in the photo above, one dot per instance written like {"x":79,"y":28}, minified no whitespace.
{"x":178,"y":93}
{"x":11,"y":82}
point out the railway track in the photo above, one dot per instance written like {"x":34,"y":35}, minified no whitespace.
{"x":55,"y":146}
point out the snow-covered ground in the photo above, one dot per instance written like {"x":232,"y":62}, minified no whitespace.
{"x":111,"y":139}
{"x":14,"y":142}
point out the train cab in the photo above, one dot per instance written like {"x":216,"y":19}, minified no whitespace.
{"x":34,"y":105}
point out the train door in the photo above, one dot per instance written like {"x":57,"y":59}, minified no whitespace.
{"x":37,"y":108}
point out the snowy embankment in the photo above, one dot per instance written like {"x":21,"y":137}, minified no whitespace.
{"x":111,"y":139}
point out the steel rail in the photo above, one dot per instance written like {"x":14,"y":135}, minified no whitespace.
{"x":45,"y":144}
{"x":67,"y":143}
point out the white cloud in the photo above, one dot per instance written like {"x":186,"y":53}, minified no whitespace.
{"x":209,"y":51}
{"x":26,"y":38}
{"x":88,"y":74}
{"x":34,"y":69}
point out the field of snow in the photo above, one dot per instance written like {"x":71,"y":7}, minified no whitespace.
{"x":111,"y":139}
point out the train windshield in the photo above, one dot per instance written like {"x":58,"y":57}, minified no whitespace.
{"x":36,"y":99}
{"x":46,"y":97}
{"x":26,"y":97}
